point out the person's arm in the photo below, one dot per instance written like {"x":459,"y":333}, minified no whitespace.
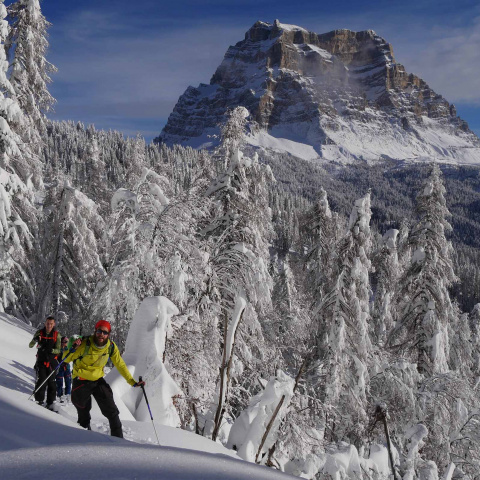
{"x":117,"y":360}
{"x":57,"y":349}
{"x":34,"y":339}
{"x":70,"y":357}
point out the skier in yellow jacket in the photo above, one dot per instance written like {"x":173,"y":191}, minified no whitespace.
{"x":90,"y":357}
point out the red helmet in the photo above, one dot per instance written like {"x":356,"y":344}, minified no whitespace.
{"x":103,"y":324}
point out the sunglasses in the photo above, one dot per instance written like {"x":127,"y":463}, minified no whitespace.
{"x":101,"y":332}
{"x":64,"y":342}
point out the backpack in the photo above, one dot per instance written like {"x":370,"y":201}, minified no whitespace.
{"x":43,"y":357}
{"x":44,"y":337}
{"x":110,"y":350}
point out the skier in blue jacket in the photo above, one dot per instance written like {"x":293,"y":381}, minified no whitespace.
{"x":64,"y":374}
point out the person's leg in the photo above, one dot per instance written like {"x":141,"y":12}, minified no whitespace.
{"x":59,"y":381}
{"x":42,"y":375}
{"x":51,"y":386}
{"x":36,"y":367}
{"x":115,"y":426}
{"x":68,"y":384}
{"x":104,"y":396}
{"x":82,"y":399}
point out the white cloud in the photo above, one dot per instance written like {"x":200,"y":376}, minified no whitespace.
{"x":448,"y":60}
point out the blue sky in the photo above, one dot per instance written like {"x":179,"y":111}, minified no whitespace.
{"x":123,"y":64}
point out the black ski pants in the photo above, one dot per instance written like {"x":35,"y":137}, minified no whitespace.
{"x":43,"y":371}
{"x":82,"y":391}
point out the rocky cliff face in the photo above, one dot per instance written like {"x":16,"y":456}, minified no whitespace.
{"x":337,"y":96}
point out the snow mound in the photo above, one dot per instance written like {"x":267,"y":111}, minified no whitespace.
{"x":143,"y":355}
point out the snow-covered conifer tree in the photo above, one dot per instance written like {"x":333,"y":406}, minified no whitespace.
{"x":30,"y":71}
{"x":424,"y":310}
{"x":134,"y":268}
{"x":285,"y":220}
{"x":323,"y":230}
{"x":177,"y":277}
{"x":474,"y":322}
{"x":153,"y":248}
{"x":288,"y":289}
{"x":462,"y":344}
{"x":344,"y":315}
{"x":117,"y":295}
{"x":73,"y":266}
{"x":388,"y":271}
{"x":135,"y":161}
{"x":96,"y":186}
{"x":289,"y":325}
{"x":239,"y":232}
{"x":27,"y":99}
{"x":17,"y":212}
{"x":429,"y":331}
{"x":232,"y":135}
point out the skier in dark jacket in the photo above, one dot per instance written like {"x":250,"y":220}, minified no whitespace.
{"x":48,"y":342}
{"x":64,"y":374}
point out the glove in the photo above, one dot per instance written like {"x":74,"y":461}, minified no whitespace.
{"x":34,"y":341}
{"x":139,"y":384}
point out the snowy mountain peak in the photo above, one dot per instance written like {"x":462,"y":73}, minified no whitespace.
{"x":337,"y":96}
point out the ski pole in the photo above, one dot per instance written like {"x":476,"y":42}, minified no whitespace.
{"x":148,"y":405}
{"x":72,"y":350}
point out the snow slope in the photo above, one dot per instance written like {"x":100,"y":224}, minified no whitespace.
{"x":38,"y":444}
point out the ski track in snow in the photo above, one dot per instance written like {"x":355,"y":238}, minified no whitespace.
{"x":38,"y":444}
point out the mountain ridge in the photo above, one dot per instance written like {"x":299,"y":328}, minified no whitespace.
{"x":338,"y":96}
